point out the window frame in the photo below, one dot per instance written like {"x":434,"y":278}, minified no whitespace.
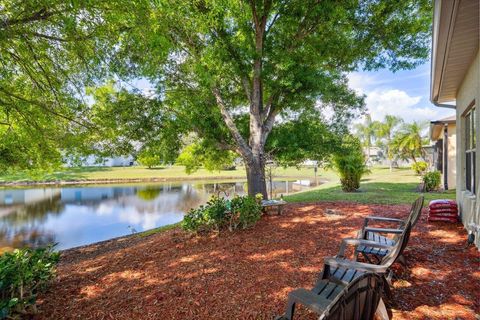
{"x":470,"y":149}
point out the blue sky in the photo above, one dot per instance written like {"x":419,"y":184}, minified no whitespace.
{"x":405,"y":94}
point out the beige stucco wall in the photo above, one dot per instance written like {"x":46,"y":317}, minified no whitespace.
{"x":452,"y":156}
{"x":469,"y":91}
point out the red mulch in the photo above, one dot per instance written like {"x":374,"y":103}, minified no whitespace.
{"x":248,"y":274}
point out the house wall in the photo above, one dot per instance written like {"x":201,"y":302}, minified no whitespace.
{"x":468,"y":91}
{"x":452,"y":156}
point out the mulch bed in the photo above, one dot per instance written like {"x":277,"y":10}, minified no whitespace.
{"x":248,"y":274}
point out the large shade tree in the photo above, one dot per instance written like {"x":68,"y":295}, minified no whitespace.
{"x":234,"y":70}
{"x":231,"y":71}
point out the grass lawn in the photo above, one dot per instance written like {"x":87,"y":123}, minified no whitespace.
{"x":137,"y":172}
{"x":381,"y":186}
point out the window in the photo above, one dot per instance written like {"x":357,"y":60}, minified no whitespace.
{"x":470,"y":151}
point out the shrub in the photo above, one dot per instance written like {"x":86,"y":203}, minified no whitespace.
{"x":350,"y":164}
{"x":431,"y":181}
{"x":244,"y":212}
{"x":23,"y":274}
{"x":420,"y":167}
{"x":219,"y":213}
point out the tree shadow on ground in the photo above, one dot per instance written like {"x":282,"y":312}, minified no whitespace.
{"x":242,"y":275}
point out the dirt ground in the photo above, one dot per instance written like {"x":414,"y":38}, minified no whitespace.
{"x":248,"y":274}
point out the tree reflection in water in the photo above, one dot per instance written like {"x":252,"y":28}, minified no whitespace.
{"x":80,"y":215}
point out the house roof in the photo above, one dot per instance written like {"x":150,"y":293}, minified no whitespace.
{"x":455,"y":43}
{"x":436,"y":127}
{"x":450,"y":119}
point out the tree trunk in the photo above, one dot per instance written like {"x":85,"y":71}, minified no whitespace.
{"x":256,"y":177}
{"x":414,"y":159}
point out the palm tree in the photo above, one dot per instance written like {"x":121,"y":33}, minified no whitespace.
{"x":408,"y":142}
{"x":366,"y":133}
{"x":386,"y":130}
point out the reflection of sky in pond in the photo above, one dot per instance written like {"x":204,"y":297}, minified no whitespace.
{"x":75,"y":216}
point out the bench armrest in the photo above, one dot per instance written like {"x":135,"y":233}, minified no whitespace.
{"x":360,"y":266}
{"x":383,"y":219}
{"x":361,"y":242}
{"x":383,"y":230}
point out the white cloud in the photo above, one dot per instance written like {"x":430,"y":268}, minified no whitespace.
{"x":382,"y":98}
{"x":394,"y":101}
{"x":400,"y":103}
{"x":360,"y":82}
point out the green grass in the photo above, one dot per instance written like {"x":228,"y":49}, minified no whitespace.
{"x":143,"y":173}
{"x":158,"y":230}
{"x":381,"y":186}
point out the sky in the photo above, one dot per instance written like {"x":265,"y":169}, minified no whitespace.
{"x":405,"y":94}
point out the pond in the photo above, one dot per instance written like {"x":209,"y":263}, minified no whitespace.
{"x":79,"y":215}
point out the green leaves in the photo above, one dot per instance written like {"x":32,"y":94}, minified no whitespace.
{"x":349,"y":161}
{"x":408,"y":141}
{"x":49,"y":52}
{"x":431,"y":181}
{"x":23,"y":274}
{"x":196,"y":155}
{"x":265,"y":59}
{"x":220,"y":213}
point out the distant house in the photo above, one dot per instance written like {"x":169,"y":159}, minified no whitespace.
{"x":455,"y":83}
{"x":443,"y":134}
{"x":92,"y":161}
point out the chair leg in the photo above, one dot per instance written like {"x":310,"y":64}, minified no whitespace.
{"x":290,"y":309}
{"x":401,"y":259}
{"x":386,"y":288}
{"x":381,"y":312}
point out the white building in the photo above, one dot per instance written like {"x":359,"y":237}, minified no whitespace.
{"x":455,"y":83}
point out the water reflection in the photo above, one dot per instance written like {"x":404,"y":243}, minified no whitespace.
{"x":74,"y":216}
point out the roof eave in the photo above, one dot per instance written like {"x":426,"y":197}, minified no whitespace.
{"x":443,"y":20}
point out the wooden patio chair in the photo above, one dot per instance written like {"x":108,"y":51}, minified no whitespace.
{"x":344,"y":269}
{"x":339,"y":273}
{"x":375,"y":234}
{"x":339,"y":300}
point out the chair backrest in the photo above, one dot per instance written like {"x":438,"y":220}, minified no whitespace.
{"x":418,"y":207}
{"x":415,"y":212}
{"x":400,"y":245}
{"x":358,"y":300}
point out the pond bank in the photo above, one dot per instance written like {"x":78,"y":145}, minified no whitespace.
{"x":95,"y":175}
{"x":248,"y":274}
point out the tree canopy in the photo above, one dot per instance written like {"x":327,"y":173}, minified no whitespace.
{"x":237,"y":71}
{"x":259,"y":78}
{"x":50,"y":50}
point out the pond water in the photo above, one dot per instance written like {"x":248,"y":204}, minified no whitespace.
{"x":78,"y":215}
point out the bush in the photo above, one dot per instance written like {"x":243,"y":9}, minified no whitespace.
{"x":23,"y":274}
{"x":244,"y":212}
{"x":220,"y":213}
{"x":432,"y":180}
{"x":350,"y":164}
{"x":420,"y":167}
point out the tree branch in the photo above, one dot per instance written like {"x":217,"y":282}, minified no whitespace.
{"x":44,"y":107}
{"x":245,"y":79}
{"x":269,"y":122}
{"x":41,"y":14}
{"x":245,"y":150}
